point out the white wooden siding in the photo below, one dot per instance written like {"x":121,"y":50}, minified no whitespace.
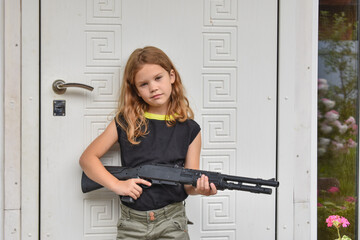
{"x":297,"y":159}
{"x":30,"y":125}
{"x":12,"y":124}
{"x":1,"y":119}
{"x":296,"y":205}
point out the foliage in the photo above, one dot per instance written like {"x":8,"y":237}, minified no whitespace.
{"x":337,"y":128}
{"x":328,"y":209}
{"x":340,"y":58}
{"x":338,"y":222}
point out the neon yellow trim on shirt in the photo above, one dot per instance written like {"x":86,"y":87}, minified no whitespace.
{"x":156,"y":116}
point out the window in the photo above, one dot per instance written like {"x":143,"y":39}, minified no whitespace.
{"x":338,"y":116}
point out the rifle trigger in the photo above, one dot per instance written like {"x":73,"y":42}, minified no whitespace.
{"x":146,"y":186}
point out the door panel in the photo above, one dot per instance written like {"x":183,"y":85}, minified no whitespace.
{"x":226,"y":53}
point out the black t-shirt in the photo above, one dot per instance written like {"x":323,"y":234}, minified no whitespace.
{"x":162,"y":145}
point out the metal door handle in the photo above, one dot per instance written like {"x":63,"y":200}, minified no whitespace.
{"x":59,"y":86}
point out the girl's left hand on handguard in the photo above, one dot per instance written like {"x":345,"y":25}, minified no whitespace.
{"x":204,"y":188}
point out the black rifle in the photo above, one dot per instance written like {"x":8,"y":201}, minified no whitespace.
{"x":173,"y":175}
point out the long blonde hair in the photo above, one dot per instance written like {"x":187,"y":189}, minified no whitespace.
{"x":131,"y":107}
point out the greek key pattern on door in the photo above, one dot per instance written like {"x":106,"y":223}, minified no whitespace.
{"x":219,"y":110}
{"x":102,"y":36}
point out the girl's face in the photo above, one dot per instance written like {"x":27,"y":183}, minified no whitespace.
{"x":154,"y":85}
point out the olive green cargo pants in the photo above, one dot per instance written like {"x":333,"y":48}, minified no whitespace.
{"x":169,"y":222}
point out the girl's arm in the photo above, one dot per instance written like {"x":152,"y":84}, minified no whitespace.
{"x":192,"y":161}
{"x":94,"y":169}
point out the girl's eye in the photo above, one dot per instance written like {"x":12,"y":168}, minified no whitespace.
{"x":158,"y":77}
{"x":143,"y":84}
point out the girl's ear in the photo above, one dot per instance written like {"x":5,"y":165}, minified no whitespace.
{"x":172,"y":76}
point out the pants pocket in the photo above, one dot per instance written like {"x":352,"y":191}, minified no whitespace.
{"x":179,"y":225}
{"x":180,"y":222}
{"x":130,"y":230}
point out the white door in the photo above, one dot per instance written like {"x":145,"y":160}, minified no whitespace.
{"x":226,"y":53}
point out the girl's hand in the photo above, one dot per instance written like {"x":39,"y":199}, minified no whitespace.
{"x":204,"y":188}
{"x":130,"y":187}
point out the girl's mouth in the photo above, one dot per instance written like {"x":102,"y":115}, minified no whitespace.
{"x":156,"y":96}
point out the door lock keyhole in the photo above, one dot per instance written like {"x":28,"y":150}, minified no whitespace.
{"x":59,"y":107}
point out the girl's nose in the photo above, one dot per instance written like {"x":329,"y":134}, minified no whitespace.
{"x":153,"y":87}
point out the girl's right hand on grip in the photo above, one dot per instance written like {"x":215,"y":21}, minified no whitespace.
{"x":131,"y":187}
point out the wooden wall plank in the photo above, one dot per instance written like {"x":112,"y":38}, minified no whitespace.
{"x":30,"y":119}
{"x":12,"y":118}
{"x":2,"y":120}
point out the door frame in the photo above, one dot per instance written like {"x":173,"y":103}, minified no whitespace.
{"x":296,"y":158}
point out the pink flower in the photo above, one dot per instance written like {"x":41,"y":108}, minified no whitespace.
{"x":333,"y":190}
{"x":352,"y":125}
{"x":350,"y":199}
{"x":330,"y":220}
{"x":336,"y":221}
{"x":332,"y":115}
{"x":319,"y":205}
{"x":342,"y":128}
{"x":324,"y":141}
{"x":351,"y":143}
{"x":350,"y":121}
{"x":325,"y":128}
{"x":322,"y":84}
{"x":322,"y":81}
{"x":328,"y":103}
{"x":337,"y":145}
{"x":344,"y":222}
{"x":354,"y":129}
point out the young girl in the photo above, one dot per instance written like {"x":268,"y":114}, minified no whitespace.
{"x":154,"y":124}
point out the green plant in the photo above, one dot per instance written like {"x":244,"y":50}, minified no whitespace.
{"x":337,"y":127}
{"x":338,"y":222}
{"x":329,"y":208}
